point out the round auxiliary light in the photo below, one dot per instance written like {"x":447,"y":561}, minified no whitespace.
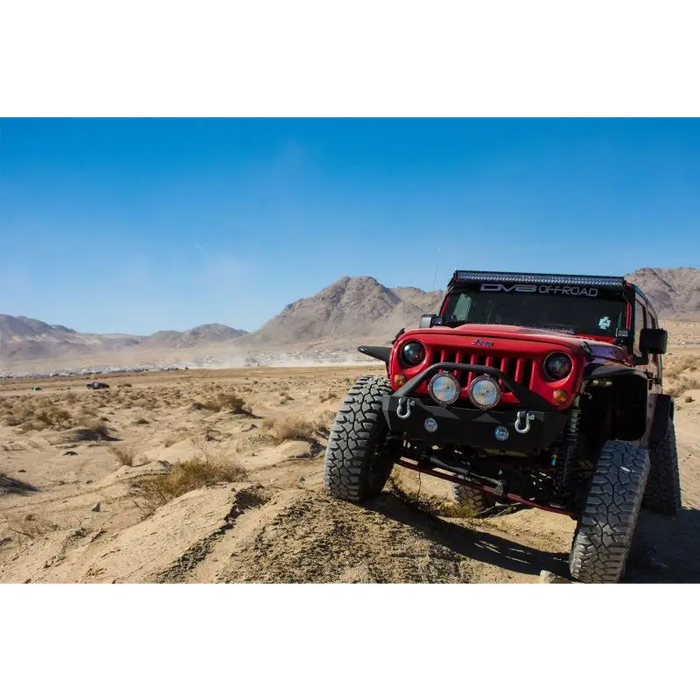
{"x":413,"y":353}
{"x":485,"y":392}
{"x":444,"y":388}
{"x":557,"y":366}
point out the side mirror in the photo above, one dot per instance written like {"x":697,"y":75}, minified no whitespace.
{"x":653,"y":341}
{"x":429,"y":320}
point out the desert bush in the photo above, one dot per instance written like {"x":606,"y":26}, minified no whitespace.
{"x":9,"y":484}
{"x":93,"y":430}
{"x":683,"y":384}
{"x":225,"y":401}
{"x":185,"y":476}
{"x":30,"y":526}
{"x":291,"y":428}
{"x":126,"y":456}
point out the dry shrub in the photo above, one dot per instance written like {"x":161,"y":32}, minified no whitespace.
{"x":225,"y":401}
{"x":126,"y":456}
{"x":37,"y":415}
{"x":9,"y":484}
{"x":684,"y":384}
{"x":185,"y":476}
{"x":291,"y":428}
{"x":30,"y":526}
{"x":92,"y":431}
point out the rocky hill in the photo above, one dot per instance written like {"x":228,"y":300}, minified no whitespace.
{"x":24,"y":339}
{"x":351,"y":308}
{"x":674,"y":292}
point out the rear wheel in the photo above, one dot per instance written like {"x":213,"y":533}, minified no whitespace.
{"x":604,"y":534}
{"x":476,"y":502}
{"x":360,"y":455}
{"x":663,"y":494}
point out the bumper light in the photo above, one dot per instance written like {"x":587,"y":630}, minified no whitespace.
{"x":485,"y":392}
{"x":399,"y":379}
{"x":444,"y":388}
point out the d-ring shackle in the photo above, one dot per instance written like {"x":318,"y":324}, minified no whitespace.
{"x":526,"y":417}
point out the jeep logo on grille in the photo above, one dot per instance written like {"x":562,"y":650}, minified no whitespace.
{"x":484,"y":343}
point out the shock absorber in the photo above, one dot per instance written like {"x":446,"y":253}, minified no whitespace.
{"x":566,"y":459}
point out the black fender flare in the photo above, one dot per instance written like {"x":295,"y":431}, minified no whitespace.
{"x":663,"y":415}
{"x":377,"y":352}
{"x":636,"y":422}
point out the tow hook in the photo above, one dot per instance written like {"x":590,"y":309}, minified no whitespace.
{"x":403,"y":410}
{"x":523,"y":416}
{"x":500,"y":488}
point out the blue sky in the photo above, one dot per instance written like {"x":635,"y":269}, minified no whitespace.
{"x":140,"y":225}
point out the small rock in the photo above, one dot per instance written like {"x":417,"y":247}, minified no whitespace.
{"x":96,"y":508}
{"x":22,"y":471}
{"x":70,"y":453}
{"x":549,"y":577}
{"x":301,"y":479}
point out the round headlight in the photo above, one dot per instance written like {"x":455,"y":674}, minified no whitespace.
{"x":485,"y":392}
{"x":557,"y":366}
{"x":413,"y":353}
{"x":444,"y":388}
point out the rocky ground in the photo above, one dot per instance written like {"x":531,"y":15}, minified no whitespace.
{"x":216,"y":476}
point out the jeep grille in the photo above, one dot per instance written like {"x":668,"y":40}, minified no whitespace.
{"x":520,"y":369}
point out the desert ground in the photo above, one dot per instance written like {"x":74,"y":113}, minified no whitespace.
{"x":217,"y":476}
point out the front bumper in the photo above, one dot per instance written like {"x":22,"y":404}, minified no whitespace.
{"x":472,"y":426}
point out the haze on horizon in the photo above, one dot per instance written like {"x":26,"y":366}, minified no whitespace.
{"x":138,"y":225}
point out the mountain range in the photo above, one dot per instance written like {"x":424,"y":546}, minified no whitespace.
{"x":347,"y":312}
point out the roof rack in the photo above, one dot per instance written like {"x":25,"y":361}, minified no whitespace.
{"x":535,"y":278}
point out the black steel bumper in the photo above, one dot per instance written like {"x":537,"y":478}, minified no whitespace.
{"x":472,"y":426}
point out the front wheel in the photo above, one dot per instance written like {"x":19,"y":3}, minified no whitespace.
{"x":604,"y":534}
{"x":360,"y":455}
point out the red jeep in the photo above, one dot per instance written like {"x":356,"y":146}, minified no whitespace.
{"x":544,"y":390}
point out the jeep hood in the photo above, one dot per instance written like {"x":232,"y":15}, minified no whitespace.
{"x":510,"y":337}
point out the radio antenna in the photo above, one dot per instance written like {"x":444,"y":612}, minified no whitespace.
{"x":437,"y":264}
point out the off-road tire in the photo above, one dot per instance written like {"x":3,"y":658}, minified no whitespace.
{"x":478,"y":503}
{"x":359,"y":459}
{"x":604,"y":534}
{"x":663,"y":494}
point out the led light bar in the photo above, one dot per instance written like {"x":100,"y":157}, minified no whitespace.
{"x":525,"y":278}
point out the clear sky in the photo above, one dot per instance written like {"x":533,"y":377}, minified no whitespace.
{"x":141,"y":225}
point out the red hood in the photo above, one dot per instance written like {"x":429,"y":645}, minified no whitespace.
{"x":512,"y":337}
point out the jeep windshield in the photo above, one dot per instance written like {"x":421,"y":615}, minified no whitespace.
{"x":601,"y":314}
